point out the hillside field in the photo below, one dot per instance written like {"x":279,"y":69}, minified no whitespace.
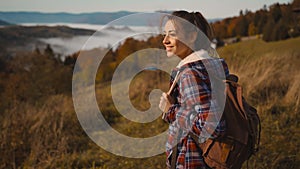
{"x":45,"y":133}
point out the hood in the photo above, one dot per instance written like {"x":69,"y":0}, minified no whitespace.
{"x":198,"y":55}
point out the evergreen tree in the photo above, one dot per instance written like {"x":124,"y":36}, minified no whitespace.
{"x":242,"y":26}
{"x":280,"y":31}
{"x":49,"y":51}
{"x":37,"y":50}
{"x":275,"y":12}
{"x":267,"y":31}
{"x":262,"y":21}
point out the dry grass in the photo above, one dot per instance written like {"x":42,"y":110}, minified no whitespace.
{"x":269,"y":73}
{"x":49,"y":135}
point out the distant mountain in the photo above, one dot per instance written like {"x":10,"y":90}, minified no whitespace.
{"x":89,"y":18}
{"x":3,"y":23}
{"x":38,"y":17}
{"x":21,"y":37}
{"x":214,"y":20}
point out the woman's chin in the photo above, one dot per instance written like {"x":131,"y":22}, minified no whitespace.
{"x":170,"y":54}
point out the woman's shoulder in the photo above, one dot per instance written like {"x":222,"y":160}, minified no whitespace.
{"x":215,"y":65}
{"x":205,"y":63}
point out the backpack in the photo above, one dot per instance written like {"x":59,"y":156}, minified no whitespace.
{"x":242,"y":135}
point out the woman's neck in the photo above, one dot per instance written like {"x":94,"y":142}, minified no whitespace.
{"x":186,"y":53}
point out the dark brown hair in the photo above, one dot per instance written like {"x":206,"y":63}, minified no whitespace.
{"x":182,"y":19}
{"x":197,"y":19}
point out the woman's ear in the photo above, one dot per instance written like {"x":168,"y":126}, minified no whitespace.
{"x":192,"y":37}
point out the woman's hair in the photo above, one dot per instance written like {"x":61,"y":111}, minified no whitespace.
{"x":187,"y":22}
{"x":197,"y":19}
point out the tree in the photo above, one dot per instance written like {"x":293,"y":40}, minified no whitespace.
{"x":2,"y":64}
{"x":241,"y":13}
{"x":275,"y":12}
{"x":265,"y":7}
{"x":220,"y":29}
{"x":128,"y":47}
{"x":231,"y":31}
{"x":49,"y":51}
{"x":296,"y":4}
{"x":263,"y":20}
{"x":242,"y":26}
{"x":252,"y":30}
{"x":267,"y":31}
{"x":280,"y":31}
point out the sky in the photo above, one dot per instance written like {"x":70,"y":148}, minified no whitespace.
{"x":209,"y":8}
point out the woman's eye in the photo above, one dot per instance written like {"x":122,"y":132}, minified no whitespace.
{"x":170,"y":34}
{"x":173,"y":35}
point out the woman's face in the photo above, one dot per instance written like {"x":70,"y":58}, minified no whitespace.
{"x":172,"y":43}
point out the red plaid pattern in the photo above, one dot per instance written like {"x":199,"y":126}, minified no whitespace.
{"x":192,"y":107}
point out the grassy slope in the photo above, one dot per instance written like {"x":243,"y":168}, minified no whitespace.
{"x":269,"y":75}
{"x":49,"y":136}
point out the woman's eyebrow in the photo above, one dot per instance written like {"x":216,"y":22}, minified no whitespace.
{"x":170,"y":31}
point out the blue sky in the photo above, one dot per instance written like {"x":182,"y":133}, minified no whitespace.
{"x":209,"y":8}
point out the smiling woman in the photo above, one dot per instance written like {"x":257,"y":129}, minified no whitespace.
{"x":186,"y":32}
{"x":190,"y":100}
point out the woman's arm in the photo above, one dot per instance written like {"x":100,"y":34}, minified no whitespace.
{"x":170,"y":115}
{"x":197,"y":113}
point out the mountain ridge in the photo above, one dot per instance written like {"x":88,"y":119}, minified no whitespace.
{"x":90,"y":18}
{"x":4,"y":23}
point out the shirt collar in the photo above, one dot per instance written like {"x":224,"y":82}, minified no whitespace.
{"x":193,"y":57}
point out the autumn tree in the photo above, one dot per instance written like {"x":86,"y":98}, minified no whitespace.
{"x":252,"y":30}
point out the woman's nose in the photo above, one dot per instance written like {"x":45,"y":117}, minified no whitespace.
{"x":166,"y":39}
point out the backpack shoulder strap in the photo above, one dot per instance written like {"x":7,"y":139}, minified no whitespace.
{"x":171,"y":89}
{"x":236,"y":97}
{"x":240,"y":97}
{"x":174,"y":82}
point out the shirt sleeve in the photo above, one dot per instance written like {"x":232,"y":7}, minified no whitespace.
{"x":197,"y":111}
{"x":171,"y":113}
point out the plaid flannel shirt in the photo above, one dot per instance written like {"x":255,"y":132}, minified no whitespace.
{"x":193,"y":97}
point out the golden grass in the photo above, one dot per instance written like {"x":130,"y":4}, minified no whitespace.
{"x":49,"y":135}
{"x":269,"y":73}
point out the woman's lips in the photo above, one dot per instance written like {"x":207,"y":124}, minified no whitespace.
{"x":169,"y":48}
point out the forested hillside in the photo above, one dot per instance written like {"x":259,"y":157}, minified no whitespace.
{"x":276,"y":22}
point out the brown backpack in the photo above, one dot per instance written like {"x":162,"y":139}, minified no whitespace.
{"x":242,"y":136}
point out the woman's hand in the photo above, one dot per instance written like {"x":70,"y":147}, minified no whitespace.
{"x":166,"y":102}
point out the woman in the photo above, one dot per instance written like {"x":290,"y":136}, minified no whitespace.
{"x":191,"y":106}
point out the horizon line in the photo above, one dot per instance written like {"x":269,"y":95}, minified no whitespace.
{"x":79,"y":13}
